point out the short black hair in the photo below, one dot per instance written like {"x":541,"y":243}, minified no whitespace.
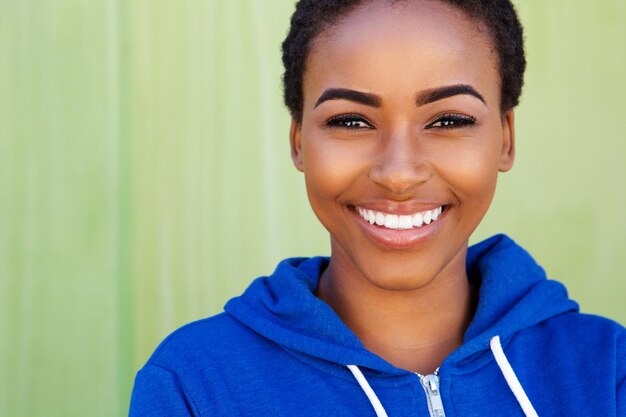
{"x":311,"y":17}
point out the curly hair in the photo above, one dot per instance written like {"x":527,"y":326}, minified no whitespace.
{"x":312,"y":17}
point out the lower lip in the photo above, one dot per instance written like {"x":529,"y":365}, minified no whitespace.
{"x":400,"y":239}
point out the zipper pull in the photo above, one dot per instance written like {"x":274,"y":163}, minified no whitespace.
{"x":431,"y":386}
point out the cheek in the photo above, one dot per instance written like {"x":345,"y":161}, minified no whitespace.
{"x":331,"y":169}
{"x":472,"y":171}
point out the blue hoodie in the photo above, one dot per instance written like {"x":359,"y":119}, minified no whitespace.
{"x":277,"y":350}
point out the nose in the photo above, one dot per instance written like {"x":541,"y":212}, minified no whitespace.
{"x":400,"y":165}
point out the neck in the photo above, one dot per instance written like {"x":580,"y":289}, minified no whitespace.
{"x":411,"y":329}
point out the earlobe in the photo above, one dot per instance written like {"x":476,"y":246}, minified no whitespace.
{"x":295,"y":134}
{"x":507,"y":153}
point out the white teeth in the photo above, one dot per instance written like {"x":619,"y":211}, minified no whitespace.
{"x":417,"y":220}
{"x":391,"y":221}
{"x":405,"y":222}
{"x":400,"y":222}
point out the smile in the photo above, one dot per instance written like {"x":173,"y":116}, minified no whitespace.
{"x":400,"y":222}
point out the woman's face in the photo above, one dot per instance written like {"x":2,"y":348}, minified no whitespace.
{"x":401,"y":139}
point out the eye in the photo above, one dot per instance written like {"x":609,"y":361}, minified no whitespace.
{"x":349,"y":122}
{"x":451,"y":121}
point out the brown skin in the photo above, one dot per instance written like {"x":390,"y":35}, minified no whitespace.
{"x":410,"y":305}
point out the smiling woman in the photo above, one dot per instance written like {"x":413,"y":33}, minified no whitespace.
{"x":402,"y":120}
{"x":401,"y":145}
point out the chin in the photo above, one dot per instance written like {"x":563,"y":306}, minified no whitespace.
{"x":399,"y":276}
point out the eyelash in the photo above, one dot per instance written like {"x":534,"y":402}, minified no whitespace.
{"x":443,"y":121}
{"x":452,"y":121}
{"x":346,"y":121}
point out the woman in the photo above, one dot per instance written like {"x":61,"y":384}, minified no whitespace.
{"x":402,"y":119}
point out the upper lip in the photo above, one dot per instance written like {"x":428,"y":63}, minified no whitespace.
{"x":400,"y":208}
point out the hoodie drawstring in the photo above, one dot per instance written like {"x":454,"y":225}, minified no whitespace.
{"x":365,"y":386}
{"x":501,"y":360}
{"x":511,"y":378}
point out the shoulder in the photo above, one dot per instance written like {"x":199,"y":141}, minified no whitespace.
{"x":590,"y":341}
{"x":588,"y":326}
{"x":593,"y":345}
{"x":206,"y":343}
{"x":579,"y":331}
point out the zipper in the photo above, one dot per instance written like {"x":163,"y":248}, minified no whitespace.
{"x":431,"y":387}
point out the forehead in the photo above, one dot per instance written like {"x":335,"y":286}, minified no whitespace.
{"x":403,"y":46}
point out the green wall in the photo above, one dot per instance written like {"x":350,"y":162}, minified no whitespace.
{"x":145,"y":177}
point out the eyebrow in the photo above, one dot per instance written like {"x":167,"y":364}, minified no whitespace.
{"x":436,"y":94}
{"x":422,"y":98}
{"x":367,"y":99}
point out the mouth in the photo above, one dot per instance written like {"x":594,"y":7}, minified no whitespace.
{"x":400,"y":222}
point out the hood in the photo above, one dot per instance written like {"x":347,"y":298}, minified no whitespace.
{"x":514,"y":294}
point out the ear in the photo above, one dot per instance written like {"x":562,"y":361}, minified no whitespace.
{"x":295,"y":134}
{"x":507,"y":153}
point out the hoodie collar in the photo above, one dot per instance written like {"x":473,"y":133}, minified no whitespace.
{"x":283,"y":308}
{"x":514,"y":290}
{"x":514,"y":294}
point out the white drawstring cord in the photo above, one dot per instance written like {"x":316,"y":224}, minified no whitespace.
{"x":511,"y":378}
{"x":365,"y":386}
{"x":501,"y":360}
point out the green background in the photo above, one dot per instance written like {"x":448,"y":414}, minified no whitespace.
{"x":145,"y":177}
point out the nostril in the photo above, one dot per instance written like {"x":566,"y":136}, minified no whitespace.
{"x":400,"y":163}
{"x":400,"y":178}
